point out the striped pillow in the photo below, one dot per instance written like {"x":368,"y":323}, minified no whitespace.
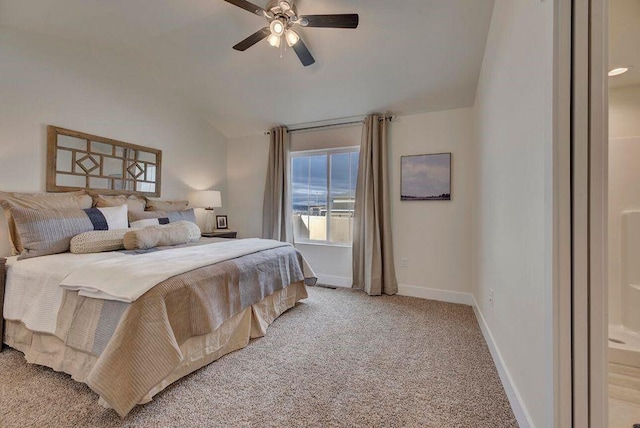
{"x":40,"y":201}
{"x":154,"y":218}
{"x":45,"y":232}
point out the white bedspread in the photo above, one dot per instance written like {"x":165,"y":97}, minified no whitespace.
{"x":32,"y":291}
{"x":126,"y":279}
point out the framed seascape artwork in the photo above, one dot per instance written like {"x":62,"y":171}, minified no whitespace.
{"x":221,"y":222}
{"x":425,"y":177}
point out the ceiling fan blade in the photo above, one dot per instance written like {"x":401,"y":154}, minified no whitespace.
{"x":303,"y":53}
{"x":252,"y":39}
{"x":244,"y":4}
{"x":330,"y":21}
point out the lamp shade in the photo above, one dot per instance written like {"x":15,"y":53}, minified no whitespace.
{"x":207,"y":199}
{"x":292,"y":38}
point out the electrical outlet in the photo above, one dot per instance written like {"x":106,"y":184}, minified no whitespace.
{"x":491,"y":296}
{"x":405,"y":262}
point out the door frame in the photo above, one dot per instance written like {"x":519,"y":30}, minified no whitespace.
{"x":589,"y":158}
{"x":561,"y":189}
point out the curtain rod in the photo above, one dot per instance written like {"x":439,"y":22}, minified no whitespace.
{"x":353,"y":122}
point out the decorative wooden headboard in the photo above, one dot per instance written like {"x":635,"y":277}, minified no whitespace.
{"x":76,"y":160}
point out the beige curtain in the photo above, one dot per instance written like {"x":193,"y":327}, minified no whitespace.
{"x":276,"y":221}
{"x":373,"y":266}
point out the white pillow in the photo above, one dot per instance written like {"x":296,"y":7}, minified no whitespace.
{"x":116,"y":216}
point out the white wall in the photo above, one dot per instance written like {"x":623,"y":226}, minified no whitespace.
{"x":434,"y":236}
{"x":52,"y":82}
{"x":345,"y":136}
{"x":246,"y":174}
{"x":512,"y":232}
{"x":624,"y":112}
{"x":624,"y":179}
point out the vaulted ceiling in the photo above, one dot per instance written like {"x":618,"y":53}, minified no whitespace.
{"x":406,"y":56}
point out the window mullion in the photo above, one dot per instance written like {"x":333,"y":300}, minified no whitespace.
{"x":350,"y":186}
{"x":309,"y":195}
{"x":329,"y":202}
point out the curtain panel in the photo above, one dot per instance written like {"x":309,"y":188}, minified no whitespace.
{"x":373,"y":265}
{"x":277,"y":221}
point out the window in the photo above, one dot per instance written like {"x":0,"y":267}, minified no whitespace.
{"x":323,"y":194}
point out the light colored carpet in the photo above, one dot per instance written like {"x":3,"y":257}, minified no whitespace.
{"x":341,"y":358}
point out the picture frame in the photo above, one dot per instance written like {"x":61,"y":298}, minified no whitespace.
{"x":425,"y":177}
{"x":221,"y":222}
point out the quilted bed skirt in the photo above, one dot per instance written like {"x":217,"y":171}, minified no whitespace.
{"x":235,"y":333}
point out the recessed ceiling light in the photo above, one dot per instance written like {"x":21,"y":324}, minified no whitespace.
{"x":618,"y":71}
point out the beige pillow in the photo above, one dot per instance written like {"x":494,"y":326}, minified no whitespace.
{"x":166,"y":206}
{"x":158,"y":236}
{"x":134,"y":203}
{"x":40,"y":201}
{"x":98,"y":241}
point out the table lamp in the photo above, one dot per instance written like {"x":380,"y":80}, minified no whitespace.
{"x":208,"y":199}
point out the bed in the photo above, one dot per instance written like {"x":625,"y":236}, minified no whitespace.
{"x":88,"y":315}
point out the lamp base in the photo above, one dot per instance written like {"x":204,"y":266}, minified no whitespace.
{"x":209,"y":220}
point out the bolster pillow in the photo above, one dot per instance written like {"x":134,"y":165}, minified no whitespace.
{"x":98,"y":241}
{"x":164,"y":235}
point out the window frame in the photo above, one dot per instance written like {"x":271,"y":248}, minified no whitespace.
{"x":318,"y":152}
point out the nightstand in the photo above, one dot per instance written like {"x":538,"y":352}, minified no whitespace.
{"x":221,"y":234}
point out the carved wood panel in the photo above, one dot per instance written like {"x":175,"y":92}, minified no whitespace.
{"x":76,"y":160}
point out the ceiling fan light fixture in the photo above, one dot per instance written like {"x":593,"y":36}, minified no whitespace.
{"x":284,"y":6}
{"x":274,"y":41}
{"x":292,"y":38}
{"x":277,"y":27}
{"x":281,"y":16}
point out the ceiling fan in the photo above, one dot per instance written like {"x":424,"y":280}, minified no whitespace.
{"x":281,"y":16}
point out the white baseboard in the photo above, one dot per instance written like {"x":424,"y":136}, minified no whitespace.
{"x":335,"y":281}
{"x":435,"y":294}
{"x":517,"y":405}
